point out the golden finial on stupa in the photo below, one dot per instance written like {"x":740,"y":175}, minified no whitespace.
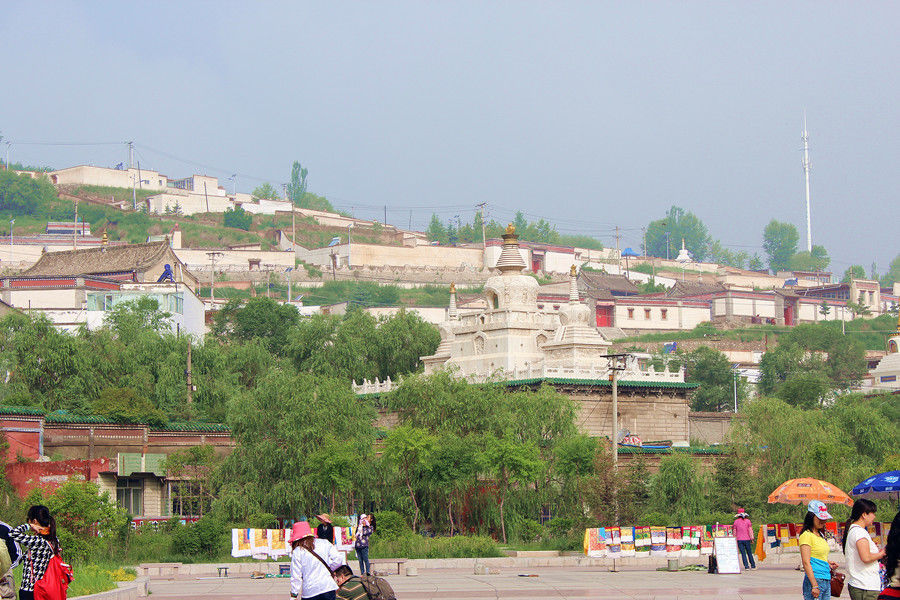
{"x":105,"y":239}
{"x":573,"y":271}
{"x":452,"y":287}
{"x":510,"y":229}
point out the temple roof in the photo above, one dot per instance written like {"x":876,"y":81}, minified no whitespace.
{"x":106,"y":259}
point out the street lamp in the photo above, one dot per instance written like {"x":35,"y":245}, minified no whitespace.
{"x":11,"y":223}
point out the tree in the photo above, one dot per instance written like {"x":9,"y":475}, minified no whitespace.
{"x":679,"y":224}
{"x":436,"y":231}
{"x":409,"y":449}
{"x":125,"y":406}
{"x":266,"y":191}
{"x":893,"y":273}
{"x":756,"y":263}
{"x":511,"y":463}
{"x":238,"y":218}
{"x":854,"y":272}
{"x":712,"y":370}
{"x":723,"y":256}
{"x":291,"y":417}
{"x":191,"y":472}
{"x":130,"y":319}
{"x":260,"y":319}
{"x":780,"y":243}
{"x":817,"y":260}
{"x":297,"y":187}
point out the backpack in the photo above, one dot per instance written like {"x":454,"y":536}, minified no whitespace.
{"x":377,"y":588}
{"x":55,"y":583}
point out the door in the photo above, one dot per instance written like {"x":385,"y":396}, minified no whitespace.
{"x":604,"y":316}
{"x":789,"y":315}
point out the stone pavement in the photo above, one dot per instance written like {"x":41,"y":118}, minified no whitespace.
{"x":765,"y":583}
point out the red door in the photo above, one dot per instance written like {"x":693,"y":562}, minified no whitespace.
{"x":789,"y":315}
{"x":604,"y":316}
{"x":535,"y":264}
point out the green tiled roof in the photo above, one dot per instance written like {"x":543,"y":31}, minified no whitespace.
{"x":21,"y":410}
{"x":64,"y":416}
{"x":206,"y":427}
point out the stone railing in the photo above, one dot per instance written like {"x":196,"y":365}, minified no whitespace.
{"x":631,"y":373}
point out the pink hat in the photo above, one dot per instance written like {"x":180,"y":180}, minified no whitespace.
{"x":300,"y":530}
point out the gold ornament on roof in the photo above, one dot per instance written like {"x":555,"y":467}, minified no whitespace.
{"x":510,"y":229}
{"x":573,"y":271}
{"x":452,"y":288}
{"x":105,"y":239}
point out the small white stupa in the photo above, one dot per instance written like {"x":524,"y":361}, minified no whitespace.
{"x":683,"y":255}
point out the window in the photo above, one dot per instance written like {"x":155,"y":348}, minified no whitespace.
{"x":130,"y":494}
{"x":646,"y":314}
{"x":108,"y":302}
{"x":188,"y":499}
{"x":630,"y":313}
{"x":664,"y":313}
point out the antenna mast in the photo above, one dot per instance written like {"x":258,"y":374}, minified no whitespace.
{"x":805,"y":138}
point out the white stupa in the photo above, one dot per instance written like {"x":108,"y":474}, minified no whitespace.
{"x":683,"y":255}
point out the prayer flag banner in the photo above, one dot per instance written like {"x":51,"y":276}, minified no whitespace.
{"x":674,"y":539}
{"x":614,"y":550}
{"x":259,"y":539}
{"x":278,"y":542}
{"x":627,"y":535}
{"x":706,"y":540}
{"x":642,"y":541}
{"x":241,"y":542}
{"x":657,"y":541}
{"x":690,"y":546}
{"x":595,"y":544}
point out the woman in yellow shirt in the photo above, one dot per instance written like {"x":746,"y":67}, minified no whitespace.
{"x":814,"y":553}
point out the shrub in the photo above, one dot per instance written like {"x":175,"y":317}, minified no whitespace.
{"x":531,"y":531}
{"x":560,"y":526}
{"x":391,"y":524}
{"x":205,"y":537}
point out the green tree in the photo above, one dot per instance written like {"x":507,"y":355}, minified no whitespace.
{"x":512,"y":463}
{"x":780,"y":243}
{"x":291,"y":417}
{"x":679,"y":489}
{"x":679,"y":224}
{"x":124,"y":405}
{"x":258,"y":318}
{"x":756,"y":263}
{"x":238,"y":218}
{"x":297,"y":187}
{"x":853,"y":272}
{"x":409,"y":449}
{"x":266,"y":191}
{"x":817,"y":260}
{"x":893,"y":273}
{"x":436,"y":231}
{"x":723,"y":256}
{"x":712,"y":370}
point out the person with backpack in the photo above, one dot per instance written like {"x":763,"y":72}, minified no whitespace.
{"x":365,"y":587}
{"x":39,"y":543}
{"x":350,"y":587}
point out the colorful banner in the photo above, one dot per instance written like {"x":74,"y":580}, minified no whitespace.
{"x":241,"y":542}
{"x":706,"y":540}
{"x":657,"y":541}
{"x":642,"y":541}
{"x":343,"y":539}
{"x":690,"y":545}
{"x":674,"y":539}
{"x":614,"y":544}
{"x":278,"y":542}
{"x":628,"y":547}
{"x":595,"y":544}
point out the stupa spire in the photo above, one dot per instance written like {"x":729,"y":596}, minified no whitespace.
{"x":510,"y":258}
{"x":452,"y":312}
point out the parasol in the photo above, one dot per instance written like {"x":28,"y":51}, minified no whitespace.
{"x":806,"y":489}
{"x":883,"y":485}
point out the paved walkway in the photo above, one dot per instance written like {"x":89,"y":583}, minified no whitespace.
{"x":766,"y":583}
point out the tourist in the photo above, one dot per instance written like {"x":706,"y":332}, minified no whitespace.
{"x":814,"y":553}
{"x":350,"y":587}
{"x":329,"y":553}
{"x":10,"y":554}
{"x":311,"y":577}
{"x":38,"y":548}
{"x":361,"y":544}
{"x":325,"y":530}
{"x":863,"y":579}
{"x":743,"y":531}
{"x":892,"y":562}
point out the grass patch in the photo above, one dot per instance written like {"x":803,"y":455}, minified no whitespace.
{"x":410,"y":545}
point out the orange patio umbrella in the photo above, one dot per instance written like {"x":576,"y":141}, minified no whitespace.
{"x":802,"y":491}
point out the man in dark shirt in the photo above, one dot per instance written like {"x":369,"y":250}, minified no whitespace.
{"x":350,"y":587}
{"x":325,"y":530}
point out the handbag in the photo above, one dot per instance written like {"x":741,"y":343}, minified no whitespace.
{"x":837,"y":584}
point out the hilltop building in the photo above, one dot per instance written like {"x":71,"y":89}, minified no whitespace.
{"x":886,"y":376}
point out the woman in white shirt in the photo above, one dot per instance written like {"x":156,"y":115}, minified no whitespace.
{"x":311,"y":577}
{"x":863,"y":581}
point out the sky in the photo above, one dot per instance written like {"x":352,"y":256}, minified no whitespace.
{"x":593,"y":115}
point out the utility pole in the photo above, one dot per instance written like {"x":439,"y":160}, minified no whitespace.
{"x":644,"y":244}
{"x":618,"y":253}
{"x":805,"y":138}
{"x":75,"y":237}
{"x":130,"y":155}
{"x":212,"y":275}
{"x":190,"y":384}
{"x":614,"y":369}
{"x":385,"y":214}
{"x":205,"y":195}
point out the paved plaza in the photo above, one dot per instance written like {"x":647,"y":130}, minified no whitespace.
{"x":767,"y":582}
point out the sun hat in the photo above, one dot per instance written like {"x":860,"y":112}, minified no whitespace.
{"x":324,"y":517}
{"x":300,"y":530}
{"x":741,"y":512}
{"x":818,"y":508}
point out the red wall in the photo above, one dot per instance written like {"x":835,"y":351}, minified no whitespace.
{"x":26,"y":476}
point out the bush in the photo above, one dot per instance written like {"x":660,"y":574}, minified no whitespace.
{"x":391,"y":524}
{"x":531,"y":531}
{"x":560,"y":526}
{"x":205,"y":537}
{"x":410,"y":545}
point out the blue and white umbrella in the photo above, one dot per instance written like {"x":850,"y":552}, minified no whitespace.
{"x":883,"y":485}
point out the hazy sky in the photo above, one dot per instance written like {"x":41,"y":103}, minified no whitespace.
{"x":589,"y":114}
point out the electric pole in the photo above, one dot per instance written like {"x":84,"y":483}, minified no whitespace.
{"x":618,"y":253}
{"x":75,"y":237}
{"x":190,"y":383}
{"x":805,"y":160}
{"x":212,"y":275}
